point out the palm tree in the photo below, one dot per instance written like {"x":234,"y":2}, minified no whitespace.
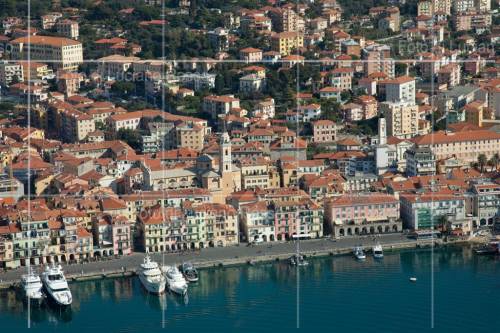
{"x":481,"y":160}
{"x":494,"y":160}
{"x":442,"y":223}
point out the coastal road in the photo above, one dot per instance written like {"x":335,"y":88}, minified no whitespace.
{"x":221,"y":254}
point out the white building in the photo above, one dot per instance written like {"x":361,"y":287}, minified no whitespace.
{"x":400,"y":89}
{"x":257,"y":221}
{"x":9,"y":71}
{"x":251,"y":83}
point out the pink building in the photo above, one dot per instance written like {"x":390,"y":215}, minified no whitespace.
{"x":112,"y":235}
{"x":362,"y":214}
{"x":324,"y":131}
{"x":302,"y":217}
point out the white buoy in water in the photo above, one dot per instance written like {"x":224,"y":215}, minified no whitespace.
{"x":413,"y":279}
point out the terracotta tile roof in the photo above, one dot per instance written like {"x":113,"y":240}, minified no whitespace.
{"x":112,"y":204}
{"x":368,"y":199}
{"x":324,"y":122}
{"x":463,"y":136}
{"x":46,"y":40}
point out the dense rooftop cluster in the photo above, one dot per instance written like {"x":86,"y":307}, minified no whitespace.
{"x":124,"y":129}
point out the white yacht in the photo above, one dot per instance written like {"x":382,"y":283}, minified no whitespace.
{"x":175,"y":280}
{"x":359,"y":253}
{"x":56,"y":285}
{"x":151,"y":277}
{"x":378,"y":252}
{"x":31,"y":285}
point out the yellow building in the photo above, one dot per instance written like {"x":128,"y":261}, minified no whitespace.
{"x":285,"y":42}
{"x":474,"y":113}
{"x":192,"y":137}
{"x":36,"y":71}
{"x":402,"y":119}
{"x":254,"y":173}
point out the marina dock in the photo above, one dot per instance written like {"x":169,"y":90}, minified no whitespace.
{"x":224,"y":257}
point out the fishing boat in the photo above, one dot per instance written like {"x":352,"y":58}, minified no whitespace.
{"x":298,"y":260}
{"x":32,"y":286}
{"x":359,"y":253}
{"x":56,"y":286}
{"x":491,"y":248}
{"x":190,"y":273}
{"x":151,"y":276}
{"x":378,"y":252}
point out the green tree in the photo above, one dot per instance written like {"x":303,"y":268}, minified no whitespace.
{"x":494,"y":160}
{"x":482,"y":160}
{"x":131,"y":137}
{"x":122,"y":88}
{"x":219,"y":84}
{"x":442,"y":223}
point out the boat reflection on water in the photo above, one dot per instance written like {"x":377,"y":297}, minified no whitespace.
{"x":51,"y":313}
{"x":156,"y":302}
{"x":57,"y":314}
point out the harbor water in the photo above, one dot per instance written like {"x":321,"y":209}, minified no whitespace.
{"x":456,"y":291}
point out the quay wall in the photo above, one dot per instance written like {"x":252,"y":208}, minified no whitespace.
{"x":240,"y":260}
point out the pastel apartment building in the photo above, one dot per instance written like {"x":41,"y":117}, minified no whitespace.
{"x":10,"y":72}
{"x":450,"y":75}
{"x":378,"y":60}
{"x":324,"y":131}
{"x":304,"y":113}
{"x":369,"y":105}
{"x":220,"y":105}
{"x":401,"y":118}
{"x":68,"y":28}
{"x":257,"y":222}
{"x":285,"y":42}
{"x":425,"y":211}
{"x":251,"y":54}
{"x":303,"y":218}
{"x":350,"y":215}
{"x":486,"y":202}
{"x":112,"y":235}
{"x":400,"y":89}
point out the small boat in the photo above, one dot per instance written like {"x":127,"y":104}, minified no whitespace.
{"x":359,"y":253}
{"x":56,"y":286}
{"x":488,"y":249}
{"x":190,"y":273}
{"x":151,"y":276}
{"x":175,"y":280}
{"x":298,"y":260}
{"x":32,"y":286}
{"x":378,"y":252}
{"x":413,"y":279}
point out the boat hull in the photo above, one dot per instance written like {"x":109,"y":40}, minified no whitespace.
{"x":153,"y":288}
{"x":34,"y":301}
{"x":179,"y":290}
{"x":61,"y":302}
{"x":191,"y":279}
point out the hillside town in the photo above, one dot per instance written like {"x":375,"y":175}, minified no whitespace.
{"x":180,"y":125}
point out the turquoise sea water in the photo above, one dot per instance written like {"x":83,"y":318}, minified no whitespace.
{"x":336,"y":294}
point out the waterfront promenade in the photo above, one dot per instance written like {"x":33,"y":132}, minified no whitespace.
{"x":211,"y":257}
